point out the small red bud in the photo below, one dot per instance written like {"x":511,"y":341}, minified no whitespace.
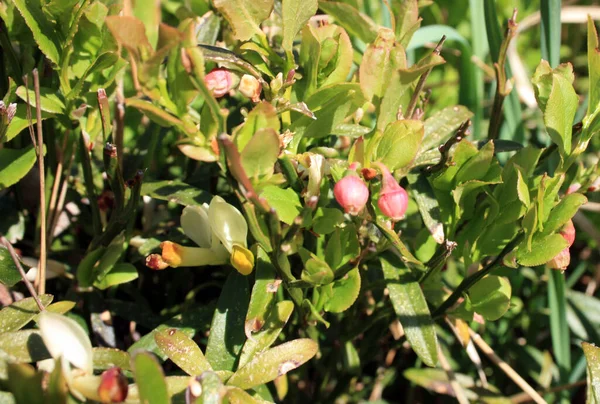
{"x":250,"y":87}
{"x":393,"y":199}
{"x":568,"y":232}
{"x":219,"y":82}
{"x":113,"y":386}
{"x":368,"y":173}
{"x":573,"y":188}
{"x":561,"y":260}
{"x":351,"y":193}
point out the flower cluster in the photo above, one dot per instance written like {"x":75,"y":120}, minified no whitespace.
{"x":221,"y":81}
{"x":352,"y":193}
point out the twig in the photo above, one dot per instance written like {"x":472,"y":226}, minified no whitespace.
{"x":466,"y":284}
{"x":436,"y":263}
{"x":444,"y":149}
{"x":235,"y":165}
{"x":120,"y":124}
{"x":524,"y":397}
{"x":15,"y":259}
{"x":413,"y":101}
{"x":459,"y":393}
{"x":41,"y":279}
{"x":510,"y":372}
{"x":28,"y":109}
{"x":502,"y":90}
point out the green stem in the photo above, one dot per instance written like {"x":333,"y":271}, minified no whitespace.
{"x":468,"y":282}
{"x":88,"y":178}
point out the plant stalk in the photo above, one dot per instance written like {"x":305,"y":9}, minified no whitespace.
{"x":41,"y":279}
{"x":15,"y":259}
{"x":502,"y":90}
{"x":466,"y":284}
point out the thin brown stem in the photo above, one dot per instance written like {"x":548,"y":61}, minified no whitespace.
{"x":461,"y":133}
{"x":40,"y":144}
{"x":415,"y":97}
{"x":524,"y":397}
{"x":15,"y":259}
{"x":459,"y":392}
{"x":120,"y":123}
{"x":29,"y":119}
{"x":510,"y":372}
{"x":502,"y":89}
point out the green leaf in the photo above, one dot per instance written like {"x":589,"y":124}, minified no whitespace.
{"x":50,"y":101}
{"x":20,"y":121}
{"x":592,"y":355}
{"x":316,"y":271}
{"x":9,"y":274}
{"x":563,"y":212}
{"x":440,"y":126}
{"x":244,"y":16}
{"x":18,"y":314}
{"x":558,"y":101}
{"x":189,"y":322}
{"x":275,"y":362}
{"x":273,"y":325}
{"x":111,"y":256}
{"x":286,"y":202}
{"x":295,"y":14}
{"x":176,"y":191}
{"x":106,"y":358}
{"x":326,"y":220}
{"x":120,"y":273}
{"x":477,"y":166}
{"x":543,"y":249}
{"x":150,"y":379}
{"x":264,"y":115}
{"x":344,"y":292}
{"x":42,"y":30}
{"x":260,"y":153}
{"x":156,"y":114}
{"x":331,"y":105}
{"x":407,"y":18}
{"x":263,"y":294}
{"x":593,"y":53}
{"x":24,"y":346}
{"x":490,"y":297}
{"x":355,"y":22}
{"x":238,"y":396}
{"x":85,"y":269}
{"x":522,"y":189}
{"x":412,"y":310}
{"x":398,"y":244}
{"x":182,"y":350}
{"x":400,"y":143}
{"x":380,"y":59}
{"x":25,"y":383}
{"x":428,"y":206}
{"x":227,"y":332}
{"x":342,"y":246}
{"x":15,"y":164}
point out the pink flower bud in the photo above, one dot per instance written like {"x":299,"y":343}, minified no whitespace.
{"x":568,"y":232}
{"x":351,"y":193}
{"x":113,"y":386}
{"x":561,"y":260}
{"x":250,"y":87}
{"x":219,"y":82}
{"x":393,"y":199}
{"x":573,"y":188}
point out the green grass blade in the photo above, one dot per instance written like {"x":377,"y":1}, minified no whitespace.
{"x":559,"y":328}
{"x":480,"y":50}
{"x":550,"y":10}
